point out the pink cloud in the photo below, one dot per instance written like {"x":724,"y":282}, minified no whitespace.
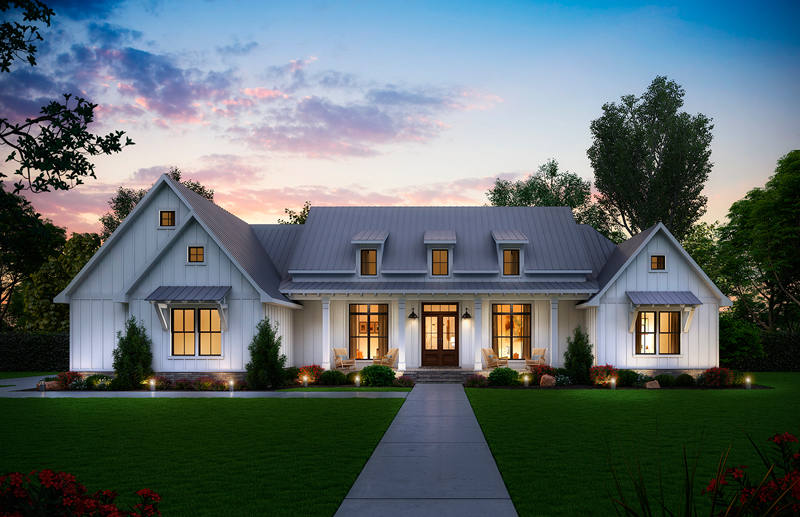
{"x":264,"y":93}
{"x":78,"y":210}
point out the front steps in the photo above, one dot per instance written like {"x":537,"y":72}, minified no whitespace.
{"x":439,"y":375}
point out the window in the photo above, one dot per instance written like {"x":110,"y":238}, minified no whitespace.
{"x":193,"y":327}
{"x":439,"y":262}
{"x":511,"y":330}
{"x":167,"y":218}
{"x":369,"y":262}
{"x":658,"y":263}
{"x":658,"y":331}
{"x":195,"y":254}
{"x":369,"y":330}
{"x":511,"y":262}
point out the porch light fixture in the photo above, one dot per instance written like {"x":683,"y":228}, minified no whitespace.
{"x":305,"y":381}
{"x":152,"y":385}
{"x":613,"y":384}
{"x":358,"y":381}
{"x":747,"y":383}
{"x":466,"y":315}
{"x":525,"y":380}
{"x":413,"y":315}
{"x":230,"y":385}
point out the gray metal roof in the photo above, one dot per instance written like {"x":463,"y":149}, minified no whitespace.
{"x":238,"y":239}
{"x":280,"y":241}
{"x":189,"y":293}
{"x":509,"y":236}
{"x":598,"y":248}
{"x":439,"y":236}
{"x":439,"y":287}
{"x":620,"y":256}
{"x":370,"y":236}
{"x":555,"y":242}
{"x":663,"y":298}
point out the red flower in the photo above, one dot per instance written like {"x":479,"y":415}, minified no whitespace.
{"x":785,"y":437}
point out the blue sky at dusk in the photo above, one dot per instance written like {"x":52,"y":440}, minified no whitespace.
{"x":351,"y":103}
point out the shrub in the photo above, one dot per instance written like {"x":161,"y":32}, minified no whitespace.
{"x":266,"y":364}
{"x":291,"y":375}
{"x":737,"y":378}
{"x":684,"y":380}
{"x":332,"y":378}
{"x":781,"y":354}
{"x":377,"y":375}
{"x":665,"y":380}
{"x":58,"y":493}
{"x":183,"y":384}
{"x":627,"y":378}
{"x":738,"y":339}
{"x":601,"y":375}
{"x":539,"y":370}
{"x":97,"y":381}
{"x":562,"y":377}
{"x":37,"y":352}
{"x":404,"y":381}
{"x":133,"y":359}
{"x":641,"y":380}
{"x":312,"y":371}
{"x":476,"y":381}
{"x":65,"y":379}
{"x":578,"y":357}
{"x":351,"y":377}
{"x":716,"y":377}
{"x":503,"y":377}
{"x":163,"y":383}
{"x":209,"y":384}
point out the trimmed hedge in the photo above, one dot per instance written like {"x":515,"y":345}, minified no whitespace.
{"x":781,"y":354}
{"x":35,"y":352}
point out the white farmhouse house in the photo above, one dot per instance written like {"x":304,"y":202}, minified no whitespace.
{"x":437,"y":283}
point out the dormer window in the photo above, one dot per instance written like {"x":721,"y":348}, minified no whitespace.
{"x":369,"y":262}
{"x":658,"y":263}
{"x":511,"y":262}
{"x":439,"y":262}
{"x":167,"y":218}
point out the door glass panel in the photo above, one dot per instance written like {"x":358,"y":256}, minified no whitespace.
{"x":449,"y":332}
{"x":431,"y":333}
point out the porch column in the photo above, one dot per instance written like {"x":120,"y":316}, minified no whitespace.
{"x":401,"y":326}
{"x":326,"y":334}
{"x":554,"y":357}
{"x":476,"y":337}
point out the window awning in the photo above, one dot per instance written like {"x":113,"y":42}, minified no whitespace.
{"x":439,"y":237}
{"x":370,"y":237}
{"x":509,"y":237}
{"x":169,"y":293}
{"x":663,"y":298}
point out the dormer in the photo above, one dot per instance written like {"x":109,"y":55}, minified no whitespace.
{"x":369,"y":252}
{"x":440,"y":245}
{"x":510,"y":252}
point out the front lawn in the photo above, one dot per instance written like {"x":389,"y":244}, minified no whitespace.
{"x":203,"y":456}
{"x":348,"y":388}
{"x":551,"y":446}
{"x":17,"y":375}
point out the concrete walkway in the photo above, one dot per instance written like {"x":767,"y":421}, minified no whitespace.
{"x":433,"y":460}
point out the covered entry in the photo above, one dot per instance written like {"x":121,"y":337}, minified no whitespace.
{"x":440,"y":334}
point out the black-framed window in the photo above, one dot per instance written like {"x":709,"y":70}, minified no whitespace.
{"x":369,"y":330}
{"x":658,"y":262}
{"x":511,"y":330}
{"x":196,"y":329}
{"x":511,"y":262}
{"x":167,"y":218}
{"x":658,"y":331}
{"x":369,"y":262}
{"x":439,"y":262}
{"x":196,"y":254}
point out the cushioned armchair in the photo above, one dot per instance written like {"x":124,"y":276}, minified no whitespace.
{"x":536,"y":358}
{"x":341,"y":359}
{"x":491,"y":359}
{"x":390,"y":359}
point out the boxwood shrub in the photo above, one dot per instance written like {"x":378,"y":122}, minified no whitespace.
{"x":684,"y":380}
{"x":627,"y":378}
{"x":34,"y":352}
{"x":377,"y":375}
{"x":503,"y":377}
{"x":665,"y":380}
{"x":332,"y":378}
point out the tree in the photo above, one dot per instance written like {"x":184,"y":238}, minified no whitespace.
{"x":126,"y":200}
{"x":296,"y":218}
{"x":40,"y":313}
{"x":550,"y":187}
{"x":265,"y":367}
{"x":578,"y":357}
{"x":50,"y":150}
{"x":133,"y":357}
{"x":651,"y":161}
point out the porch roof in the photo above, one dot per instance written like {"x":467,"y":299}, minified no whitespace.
{"x":589,"y":287}
{"x":663,"y":298}
{"x":189,"y":293}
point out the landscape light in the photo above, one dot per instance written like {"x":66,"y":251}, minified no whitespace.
{"x":305,"y":381}
{"x":358,"y":381}
{"x":152,"y":385}
{"x":747,"y":383}
{"x":230,"y":385}
{"x":525,"y":380}
{"x":613,"y":383}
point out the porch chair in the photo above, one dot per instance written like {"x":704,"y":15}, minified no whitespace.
{"x":491,"y":359}
{"x":341,"y":360}
{"x":536,"y":358}
{"x":390,"y":359}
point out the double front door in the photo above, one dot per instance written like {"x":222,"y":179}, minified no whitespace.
{"x":440,"y":334}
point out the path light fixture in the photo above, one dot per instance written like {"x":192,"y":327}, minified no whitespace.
{"x":525,"y":380}
{"x":413,"y":314}
{"x":305,"y":381}
{"x":42,"y":385}
{"x":230,"y":385}
{"x":152,"y":385}
{"x":613,"y":383}
{"x":466,"y":315}
{"x":358,"y":381}
{"x":747,"y":383}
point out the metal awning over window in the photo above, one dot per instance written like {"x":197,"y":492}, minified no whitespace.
{"x":439,"y":237}
{"x":641,"y":301}
{"x":165,"y":295}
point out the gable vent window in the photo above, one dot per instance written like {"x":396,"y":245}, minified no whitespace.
{"x":196,"y":254}
{"x":511,"y":262}
{"x":658,"y":263}
{"x":369,"y":262}
{"x":167,"y":218}
{"x":439,"y":262}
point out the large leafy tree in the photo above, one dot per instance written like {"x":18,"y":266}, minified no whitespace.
{"x":550,"y":187}
{"x":52,"y":150}
{"x":651,"y":160}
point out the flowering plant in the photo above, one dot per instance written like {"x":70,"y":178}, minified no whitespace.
{"x":66,"y":379}
{"x":183,"y":384}
{"x":602,"y":374}
{"x":539,"y":370}
{"x":209,"y":384}
{"x":716,"y":377}
{"x":404,"y":381}
{"x":476,"y":381}
{"x":312,"y":372}
{"x":58,"y":493}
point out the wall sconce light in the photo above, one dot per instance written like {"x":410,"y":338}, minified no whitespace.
{"x":525,"y":380}
{"x":747,"y":383}
{"x":466,"y":315}
{"x":613,"y":384}
{"x":152,"y":385}
{"x":358,"y":381}
{"x":305,"y":381}
{"x":413,"y":315}
{"x":230,"y":385}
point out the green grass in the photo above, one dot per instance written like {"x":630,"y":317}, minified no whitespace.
{"x":6,"y":385}
{"x":17,"y":375}
{"x":203,"y":456}
{"x":350,"y":388}
{"x":552,"y":446}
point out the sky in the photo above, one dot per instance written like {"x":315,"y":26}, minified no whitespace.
{"x":272,"y":104}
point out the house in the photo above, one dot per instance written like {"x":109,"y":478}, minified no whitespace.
{"x":438,"y":283}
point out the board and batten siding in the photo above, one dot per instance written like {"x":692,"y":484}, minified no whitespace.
{"x":699,"y":346}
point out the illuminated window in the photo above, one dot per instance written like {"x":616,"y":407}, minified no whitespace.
{"x":182,"y":331}
{"x":511,"y":262}
{"x":195,"y":254}
{"x":369,"y":262}
{"x":658,"y":331}
{"x":511,"y":330}
{"x":439,"y":262}
{"x":369,"y":330}
{"x":196,"y":329}
{"x":210,"y":332}
{"x":167,"y":218}
{"x":658,"y":262}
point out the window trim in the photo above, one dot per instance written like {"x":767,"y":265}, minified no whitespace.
{"x":512,"y":313}
{"x":196,"y":331}
{"x":189,"y":260}
{"x":650,"y":265}
{"x":172,"y":226}
{"x":657,"y":332}
{"x":447,"y":262}
{"x":518,"y":261}
{"x":361,"y":262}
